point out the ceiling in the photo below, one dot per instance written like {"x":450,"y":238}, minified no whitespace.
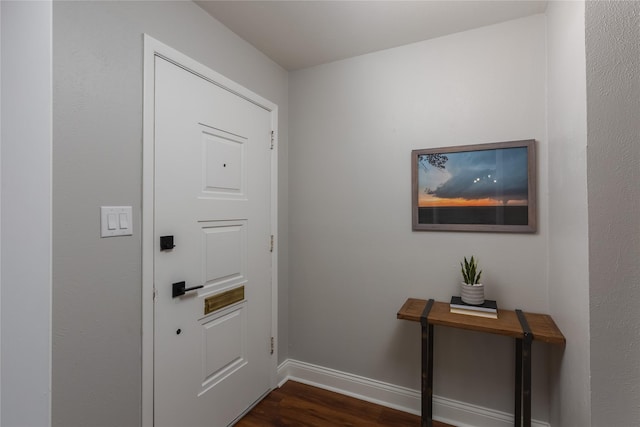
{"x":304,"y":33}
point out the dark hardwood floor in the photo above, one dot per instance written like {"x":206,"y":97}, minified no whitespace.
{"x":296,"y":404}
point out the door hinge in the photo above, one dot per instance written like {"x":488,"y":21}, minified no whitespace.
{"x":155,"y":294}
{"x":273,"y":139}
{"x":271,"y":246}
{"x":273,"y":344}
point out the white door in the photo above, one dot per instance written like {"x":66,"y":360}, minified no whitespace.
{"x":212,"y":345}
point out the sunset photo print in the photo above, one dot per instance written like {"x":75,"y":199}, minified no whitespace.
{"x":479,"y":185}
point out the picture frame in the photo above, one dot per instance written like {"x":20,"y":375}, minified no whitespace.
{"x":481,"y":187}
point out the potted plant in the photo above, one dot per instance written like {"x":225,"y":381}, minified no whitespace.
{"x":472,"y":291}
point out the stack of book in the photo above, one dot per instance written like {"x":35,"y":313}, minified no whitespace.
{"x":488,"y":309}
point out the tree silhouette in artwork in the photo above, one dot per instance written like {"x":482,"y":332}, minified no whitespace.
{"x":435,"y":160}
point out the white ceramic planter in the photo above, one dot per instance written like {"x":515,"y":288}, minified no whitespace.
{"x":472,"y":294}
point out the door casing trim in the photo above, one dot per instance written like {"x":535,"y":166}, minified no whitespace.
{"x":153,"y":48}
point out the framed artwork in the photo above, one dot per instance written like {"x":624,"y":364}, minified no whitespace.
{"x":482,"y":187}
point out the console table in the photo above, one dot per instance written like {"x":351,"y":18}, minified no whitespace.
{"x":524,"y":327}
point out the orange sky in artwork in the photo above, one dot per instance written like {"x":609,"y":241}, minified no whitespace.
{"x":430,"y":201}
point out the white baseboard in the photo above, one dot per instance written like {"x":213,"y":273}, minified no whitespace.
{"x":404,"y":399}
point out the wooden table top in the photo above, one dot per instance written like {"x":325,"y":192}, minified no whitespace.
{"x":542,"y":325}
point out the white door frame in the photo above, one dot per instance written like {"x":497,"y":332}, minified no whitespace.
{"x":153,"y":48}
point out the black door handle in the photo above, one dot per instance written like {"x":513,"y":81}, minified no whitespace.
{"x":180,"y":288}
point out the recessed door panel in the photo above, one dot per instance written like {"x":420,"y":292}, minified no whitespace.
{"x":224,"y":343}
{"x":224,"y":252}
{"x":223,"y":160}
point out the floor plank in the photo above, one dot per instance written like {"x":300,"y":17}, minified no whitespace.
{"x":299,"y":405}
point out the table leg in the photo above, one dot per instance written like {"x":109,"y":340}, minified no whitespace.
{"x":526,"y":381}
{"x":427,"y":375}
{"x":523,"y":374}
{"x":518,"y":392}
{"x":427,"y":368}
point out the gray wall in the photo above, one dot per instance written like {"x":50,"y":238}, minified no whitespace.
{"x":26,"y":214}
{"x":613,"y":100}
{"x":354,"y":259}
{"x":568,"y":225}
{"x":97,"y":137}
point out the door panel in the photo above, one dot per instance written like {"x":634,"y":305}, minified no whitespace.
{"x":225,"y":252}
{"x":222,"y":361}
{"x":212,"y":193}
{"x":223,"y":164}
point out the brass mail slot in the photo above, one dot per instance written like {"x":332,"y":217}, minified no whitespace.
{"x":224,"y":299}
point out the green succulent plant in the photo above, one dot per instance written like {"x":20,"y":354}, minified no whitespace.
{"x":470,"y":273}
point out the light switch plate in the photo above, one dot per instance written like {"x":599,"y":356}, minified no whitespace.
{"x":121,"y":216}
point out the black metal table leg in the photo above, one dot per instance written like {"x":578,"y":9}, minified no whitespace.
{"x":523,"y":374}
{"x":518,"y":391}
{"x":526,"y":380}
{"x":427,"y":368}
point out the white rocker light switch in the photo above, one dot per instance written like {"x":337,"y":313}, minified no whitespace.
{"x":116,"y":221}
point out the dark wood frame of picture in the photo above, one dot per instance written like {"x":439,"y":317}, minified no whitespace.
{"x":530,"y":227}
